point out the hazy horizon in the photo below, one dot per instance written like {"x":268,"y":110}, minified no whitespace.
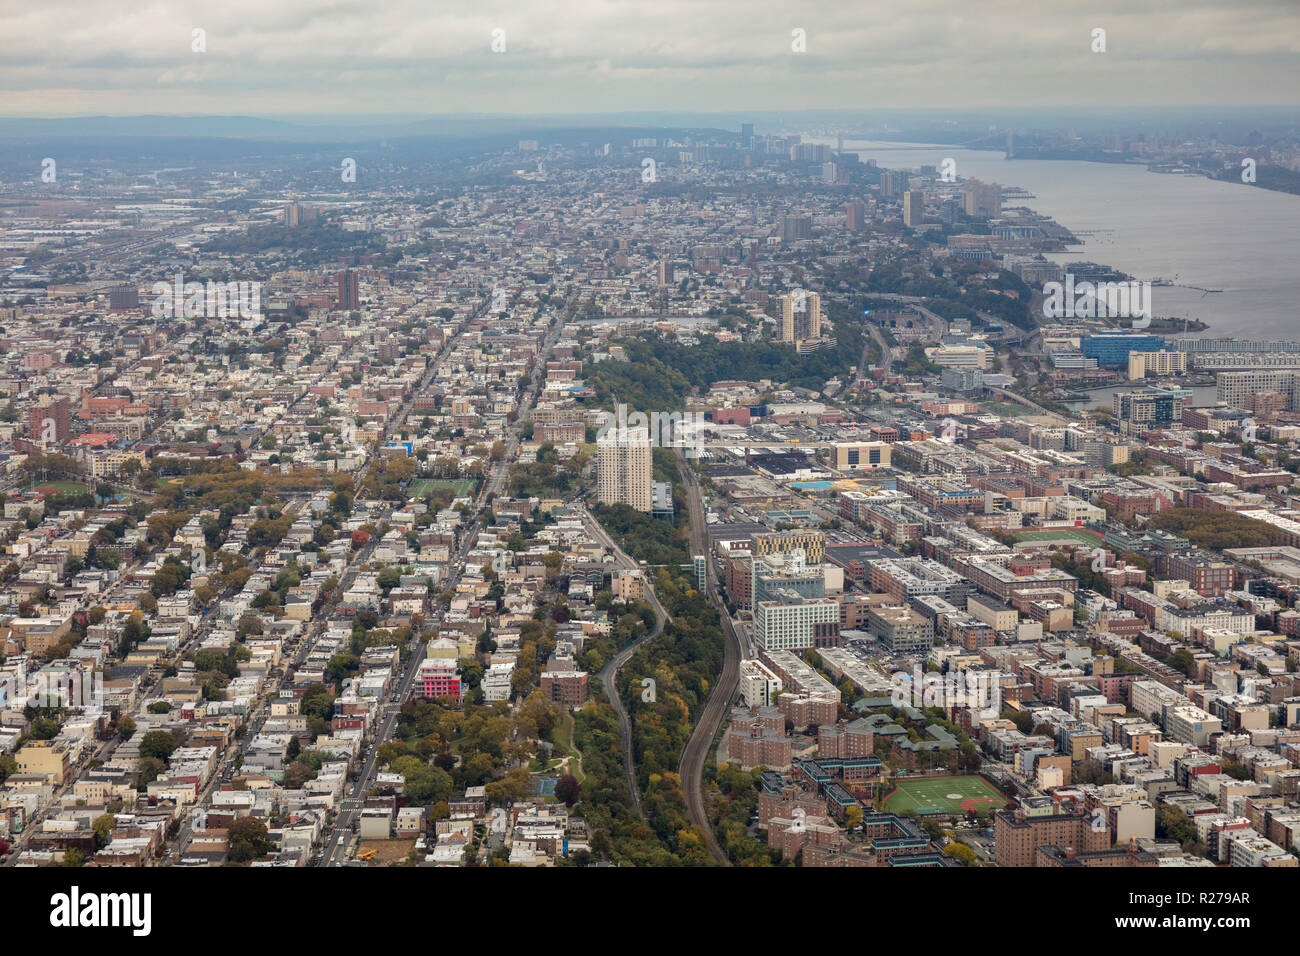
{"x":75,"y":58}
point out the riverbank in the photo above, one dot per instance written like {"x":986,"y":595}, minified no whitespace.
{"x":1273,"y":178}
{"x":1210,"y":234}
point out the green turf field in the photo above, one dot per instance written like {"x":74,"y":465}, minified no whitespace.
{"x":944,"y":795}
{"x":62,"y":487}
{"x":1078,"y":535}
{"x":422,"y":486}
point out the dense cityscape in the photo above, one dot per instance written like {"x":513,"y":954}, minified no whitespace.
{"x":734,"y":492}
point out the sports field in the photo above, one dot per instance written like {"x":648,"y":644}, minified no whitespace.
{"x":59,"y":487}
{"x":944,"y":795}
{"x":1076,"y":535}
{"x":458,"y":486}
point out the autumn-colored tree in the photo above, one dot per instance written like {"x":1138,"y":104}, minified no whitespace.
{"x":568,"y":789}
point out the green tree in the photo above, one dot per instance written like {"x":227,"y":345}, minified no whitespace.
{"x":157,"y":744}
{"x":248,"y":840}
{"x":44,"y":728}
{"x":102,"y":826}
{"x":148,"y":770}
{"x":960,"y":852}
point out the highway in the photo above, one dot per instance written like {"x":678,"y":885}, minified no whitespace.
{"x":889,"y":354}
{"x":609,"y":673}
{"x":718,"y":705}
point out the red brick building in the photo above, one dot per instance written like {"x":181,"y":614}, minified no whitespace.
{"x":565,"y":687}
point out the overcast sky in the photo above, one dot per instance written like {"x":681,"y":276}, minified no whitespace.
{"x":277,"y":57}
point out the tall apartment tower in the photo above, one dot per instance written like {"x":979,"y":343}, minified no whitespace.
{"x":814,"y":310}
{"x":982,"y":199}
{"x":855,"y":216}
{"x":623,"y":468}
{"x":296,"y":214}
{"x":913,"y":208}
{"x":801,"y":316}
{"x":794,"y":228}
{"x":349,"y":290}
{"x":123,"y":297}
{"x":50,"y":420}
{"x":892,"y":182}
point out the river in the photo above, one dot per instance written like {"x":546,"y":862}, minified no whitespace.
{"x":1215,"y":235}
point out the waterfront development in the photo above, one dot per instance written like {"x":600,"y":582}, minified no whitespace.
{"x":1205,"y":232}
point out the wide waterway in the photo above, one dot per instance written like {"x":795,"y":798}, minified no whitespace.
{"x":1214,"y":235}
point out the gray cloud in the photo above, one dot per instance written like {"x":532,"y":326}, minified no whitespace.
{"x":67,"y":57}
